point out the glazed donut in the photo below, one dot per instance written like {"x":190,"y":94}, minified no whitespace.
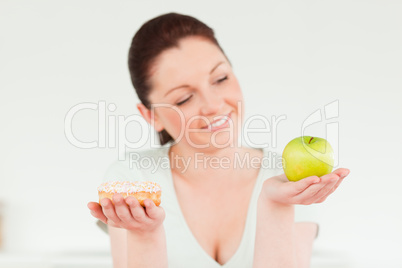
{"x":138,"y":189}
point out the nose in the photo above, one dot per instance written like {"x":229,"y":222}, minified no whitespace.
{"x":212,"y":103}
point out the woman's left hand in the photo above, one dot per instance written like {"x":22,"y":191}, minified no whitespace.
{"x":306,"y":191}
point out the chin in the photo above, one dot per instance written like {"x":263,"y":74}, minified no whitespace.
{"x":221,"y":139}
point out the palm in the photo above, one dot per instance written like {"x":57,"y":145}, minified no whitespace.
{"x":306,"y":191}
{"x":128,"y":213}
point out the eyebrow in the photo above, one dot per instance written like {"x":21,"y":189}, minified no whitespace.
{"x":213,"y":69}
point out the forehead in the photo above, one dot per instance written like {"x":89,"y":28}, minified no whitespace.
{"x":193,"y":57}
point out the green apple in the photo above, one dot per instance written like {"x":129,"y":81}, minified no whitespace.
{"x":307,"y":156}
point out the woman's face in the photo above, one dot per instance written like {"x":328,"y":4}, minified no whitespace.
{"x":192,"y":86}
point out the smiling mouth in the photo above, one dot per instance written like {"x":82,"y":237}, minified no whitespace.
{"x":222,"y":122}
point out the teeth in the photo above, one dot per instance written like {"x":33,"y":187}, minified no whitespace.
{"x":220,"y":122}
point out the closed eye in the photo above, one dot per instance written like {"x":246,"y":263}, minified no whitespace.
{"x":222,"y":79}
{"x":184,"y":101}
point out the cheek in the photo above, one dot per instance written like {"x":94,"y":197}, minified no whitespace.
{"x":236,"y":95}
{"x":171,"y":120}
{"x":193,"y":119}
{"x":175,"y":120}
{"x":236,"y":100}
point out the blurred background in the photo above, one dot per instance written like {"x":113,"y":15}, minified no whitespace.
{"x":292,"y":59}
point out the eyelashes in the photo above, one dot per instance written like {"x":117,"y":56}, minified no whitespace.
{"x":182,"y":102}
{"x":217,"y":82}
{"x":222,"y":79}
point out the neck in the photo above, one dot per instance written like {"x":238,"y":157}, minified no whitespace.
{"x":200,"y":164}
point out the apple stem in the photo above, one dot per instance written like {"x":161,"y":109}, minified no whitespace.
{"x":310,"y":140}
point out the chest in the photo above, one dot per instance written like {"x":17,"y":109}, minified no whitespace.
{"x":216,"y":216}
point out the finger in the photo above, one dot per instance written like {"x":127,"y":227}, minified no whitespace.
{"x":137,"y":211}
{"x":320,"y":191}
{"x":152,"y":210}
{"x":94,"y":206}
{"x":310,"y":195}
{"x":122,"y":210}
{"x":330,"y":192}
{"x":329,"y":178}
{"x":341,"y":172}
{"x":303,"y":184}
{"x":96,"y":211}
{"x":338,"y":183}
{"x":329,"y":181}
{"x":109,"y":210}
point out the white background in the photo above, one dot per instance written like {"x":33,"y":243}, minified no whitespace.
{"x":291,"y":58}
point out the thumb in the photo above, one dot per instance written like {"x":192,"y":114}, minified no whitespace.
{"x":303,"y":184}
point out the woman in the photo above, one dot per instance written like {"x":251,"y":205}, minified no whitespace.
{"x":212,"y":215}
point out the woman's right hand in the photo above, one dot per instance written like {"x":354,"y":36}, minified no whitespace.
{"x":128,"y":213}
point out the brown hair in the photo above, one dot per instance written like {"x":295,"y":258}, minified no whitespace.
{"x":154,"y":37}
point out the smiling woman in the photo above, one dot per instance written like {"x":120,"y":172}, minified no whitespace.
{"x":210,"y":215}
{"x":162,"y":34}
{"x":196,"y":76}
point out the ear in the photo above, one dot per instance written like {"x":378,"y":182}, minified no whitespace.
{"x":150,"y":117}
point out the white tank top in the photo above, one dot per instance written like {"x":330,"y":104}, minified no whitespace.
{"x":183,"y":249}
